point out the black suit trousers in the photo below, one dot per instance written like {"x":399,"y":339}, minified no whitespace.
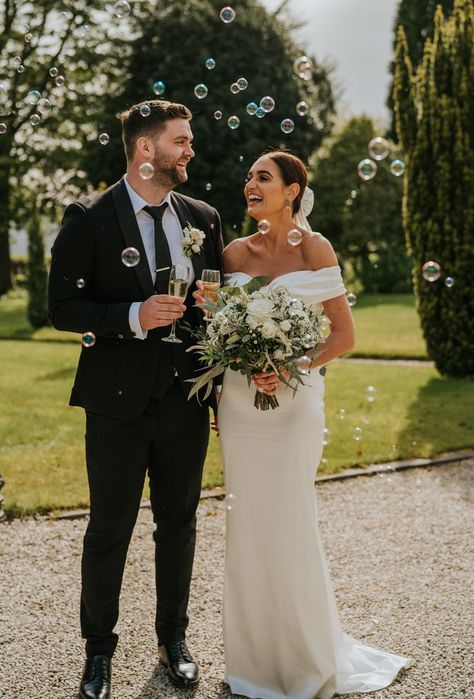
{"x":169,"y":441}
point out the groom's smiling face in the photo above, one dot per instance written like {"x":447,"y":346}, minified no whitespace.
{"x":173,"y":151}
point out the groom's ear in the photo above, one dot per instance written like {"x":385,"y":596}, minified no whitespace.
{"x":144,"y":147}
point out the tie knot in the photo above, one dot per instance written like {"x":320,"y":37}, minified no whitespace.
{"x":156,"y":212}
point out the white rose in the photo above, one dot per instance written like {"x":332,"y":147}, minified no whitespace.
{"x":260,"y":309}
{"x":269,"y":329}
{"x":285,"y":325}
{"x":195,"y":248}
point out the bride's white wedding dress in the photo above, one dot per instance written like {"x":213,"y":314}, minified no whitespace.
{"x":282,"y":634}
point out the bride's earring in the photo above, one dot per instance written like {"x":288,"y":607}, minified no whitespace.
{"x":287,"y":211}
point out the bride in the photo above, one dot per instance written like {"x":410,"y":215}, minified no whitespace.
{"x":282,"y":634}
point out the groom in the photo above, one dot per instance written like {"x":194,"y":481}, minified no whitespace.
{"x":131,"y":384}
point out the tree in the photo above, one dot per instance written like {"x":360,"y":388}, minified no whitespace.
{"x":434,"y":107}
{"x":417,"y":19}
{"x":173,"y":41}
{"x":362,"y":219}
{"x":37,"y":274}
{"x":52,"y":66}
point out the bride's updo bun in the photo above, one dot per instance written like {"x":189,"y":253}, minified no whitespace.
{"x":292,"y":170}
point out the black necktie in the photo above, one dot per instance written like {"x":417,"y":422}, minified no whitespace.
{"x":162,"y":251}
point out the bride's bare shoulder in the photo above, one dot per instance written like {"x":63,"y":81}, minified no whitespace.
{"x":236,"y":254}
{"x":319,"y":251}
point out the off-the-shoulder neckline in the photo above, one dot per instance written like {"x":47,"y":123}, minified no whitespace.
{"x":287,"y":274}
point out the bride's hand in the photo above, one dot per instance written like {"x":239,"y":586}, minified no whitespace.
{"x":268,"y":382}
{"x":198,"y":295}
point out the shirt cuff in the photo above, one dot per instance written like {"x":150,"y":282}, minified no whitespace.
{"x":134,"y":322}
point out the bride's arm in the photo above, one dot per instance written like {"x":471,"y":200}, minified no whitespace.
{"x":342,"y":336}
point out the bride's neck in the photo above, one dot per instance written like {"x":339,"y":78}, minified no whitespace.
{"x":277,"y":238}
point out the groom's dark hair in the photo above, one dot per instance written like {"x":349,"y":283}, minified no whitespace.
{"x":135,"y":123}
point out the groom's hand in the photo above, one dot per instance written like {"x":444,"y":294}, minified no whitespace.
{"x":160,"y":310}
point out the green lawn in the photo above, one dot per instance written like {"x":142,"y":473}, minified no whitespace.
{"x":416,"y":413}
{"x":386,"y":325}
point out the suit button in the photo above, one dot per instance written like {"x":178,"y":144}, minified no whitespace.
{"x":120,"y":337}
{"x":120,"y":392}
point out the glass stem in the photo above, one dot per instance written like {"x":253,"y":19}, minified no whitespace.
{"x":173,"y":330}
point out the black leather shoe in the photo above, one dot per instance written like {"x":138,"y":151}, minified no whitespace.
{"x":95,"y":683}
{"x":182,"y":670}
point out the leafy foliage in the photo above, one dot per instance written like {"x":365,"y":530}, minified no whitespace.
{"x":37,"y":274}
{"x":434,"y":107}
{"x":172,"y":42}
{"x":362,"y":219}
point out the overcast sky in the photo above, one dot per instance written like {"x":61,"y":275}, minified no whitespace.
{"x":354,"y":35}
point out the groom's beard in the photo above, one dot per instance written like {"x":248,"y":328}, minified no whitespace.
{"x":166,"y":173}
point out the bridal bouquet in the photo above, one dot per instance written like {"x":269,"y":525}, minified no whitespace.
{"x":254,"y":328}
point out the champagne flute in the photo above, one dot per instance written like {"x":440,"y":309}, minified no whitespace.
{"x":177,"y":286}
{"x":211,"y":281}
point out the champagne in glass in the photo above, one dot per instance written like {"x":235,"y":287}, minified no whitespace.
{"x":177,"y":286}
{"x":211,"y":281}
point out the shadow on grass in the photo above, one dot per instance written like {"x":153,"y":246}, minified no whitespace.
{"x":369,"y":300}
{"x":58,"y":375}
{"x":441,"y":418}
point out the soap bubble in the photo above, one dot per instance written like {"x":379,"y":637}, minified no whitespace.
{"x":16,"y":61}
{"x":53,"y":72}
{"x":241,"y":158}
{"x":104,"y":139}
{"x":145,"y":110}
{"x":302,"y":108}
{"x":130,"y":257}
{"x":252,"y":108}
{"x":28,"y":38}
{"x":3,"y":128}
{"x":357,"y":433}
{"x":122,"y":9}
{"x":303,"y":364}
{"x":83,"y":30}
{"x":230,"y":500}
{"x":227,"y":15}
{"x":43,"y":106}
{"x":3,"y":90}
{"x":158,"y":87}
{"x":379,"y":148}
{"x":264,"y":226}
{"x":295,"y":237}
{"x":431,"y":271}
{"x":60,"y":80}
{"x":351,"y":299}
{"x":233,"y":122}
{"x":201,"y":91}
{"x":287,"y":125}
{"x":20,"y":69}
{"x":371,"y":393}
{"x":260,"y":113}
{"x":366,"y":169}
{"x":234,"y":88}
{"x":146,"y":171}
{"x":218,"y":114}
{"x":210,"y":63}
{"x":303,"y":67}
{"x":341,"y":414}
{"x":88,"y":339}
{"x":242,"y":83}
{"x":35,"y":119}
{"x":208,"y":187}
{"x":33,"y":97}
{"x":397,"y":167}
{"x":326,"y":436}
{"x":80,"y":283}
{"x":267,"y":104}
{"x":449,"y":282}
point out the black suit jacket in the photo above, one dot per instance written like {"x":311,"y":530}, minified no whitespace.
{"x":117,"y":376}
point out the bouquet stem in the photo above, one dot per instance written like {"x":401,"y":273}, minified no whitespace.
{"x":264,"y":402}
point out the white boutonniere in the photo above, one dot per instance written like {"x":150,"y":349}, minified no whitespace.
{"x":193,"y":240}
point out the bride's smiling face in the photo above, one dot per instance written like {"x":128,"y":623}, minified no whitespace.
{"x":265,"y":190}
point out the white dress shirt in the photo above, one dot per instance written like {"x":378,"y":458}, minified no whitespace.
{"x":174,"y":236}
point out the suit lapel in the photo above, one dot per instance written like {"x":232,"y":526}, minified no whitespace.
{"x":185,"y":215}
{"x":131,"y":235}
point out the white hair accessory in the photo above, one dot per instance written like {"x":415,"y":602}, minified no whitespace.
{"x":307,"y":201}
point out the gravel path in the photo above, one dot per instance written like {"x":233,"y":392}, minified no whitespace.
{"x":400,"y":554}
